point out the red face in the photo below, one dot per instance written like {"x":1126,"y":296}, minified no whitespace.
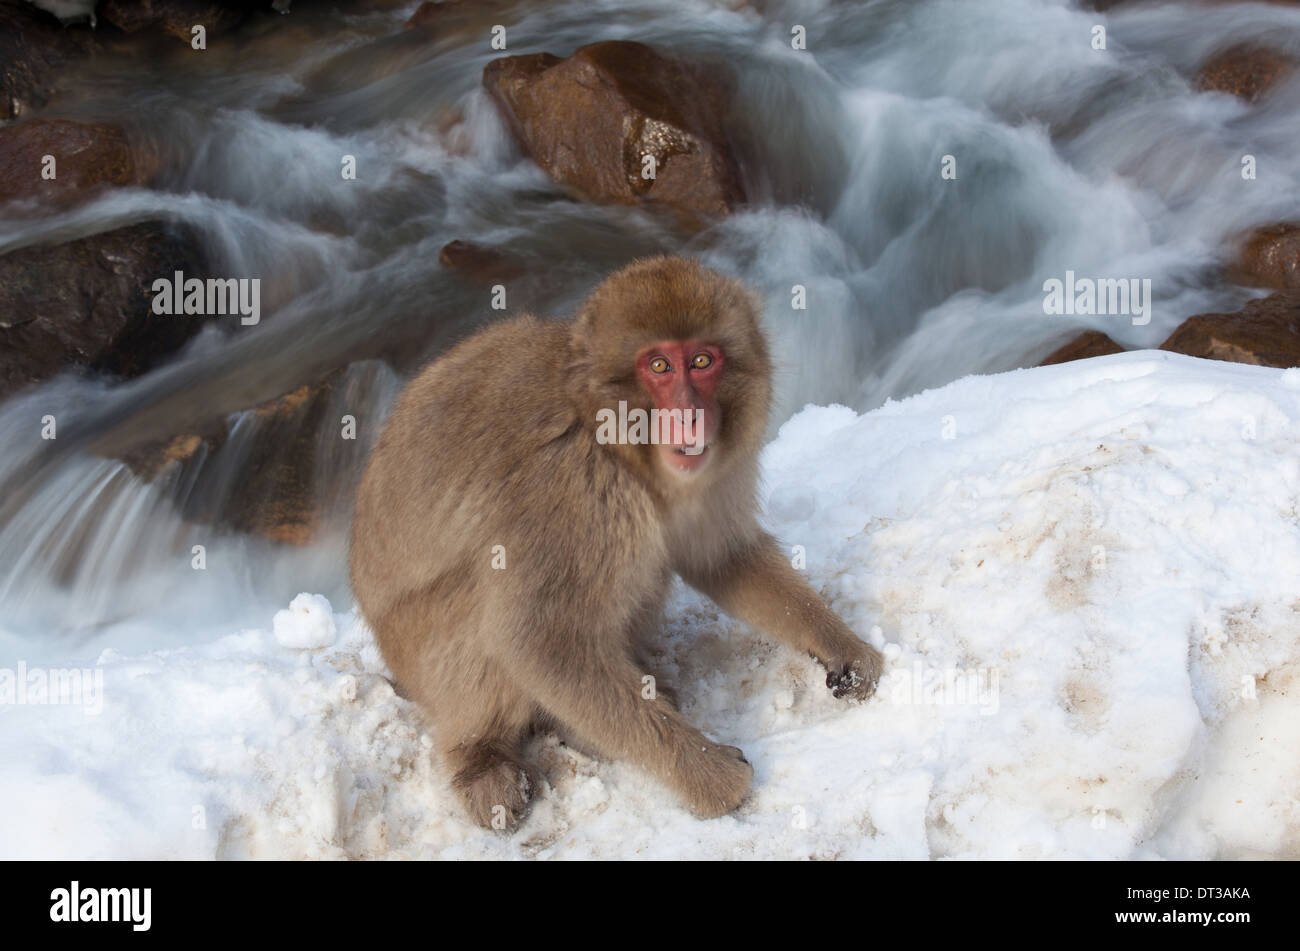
{"x":683,"y":375}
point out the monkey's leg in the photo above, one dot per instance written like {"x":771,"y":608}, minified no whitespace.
{"x":602,"y":698}
{"x":760,"y":587}
{"x":646,"y":630}
{"x":489,"y":771}
{"x":494,"y":781}
{"x":653,"y":682}
{"x":480,"y":719}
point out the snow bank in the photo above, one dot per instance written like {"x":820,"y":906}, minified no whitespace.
{"x":1084,"y":578}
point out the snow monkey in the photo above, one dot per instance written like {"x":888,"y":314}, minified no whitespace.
{"x":512,"y":547}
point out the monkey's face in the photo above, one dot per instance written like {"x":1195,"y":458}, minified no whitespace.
{"x":681,"y":378}
{"x":668,"y":337}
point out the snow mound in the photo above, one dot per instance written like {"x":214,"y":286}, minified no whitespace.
{"x":1083,"y":577}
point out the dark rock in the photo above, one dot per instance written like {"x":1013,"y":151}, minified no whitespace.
{"x":175,"y":17}
{"x":588,"y":120}
{"x":1093,"y":343}
{"x":1265,"y":332}
{"x":33,"y":46}
{"x":86,"y":303}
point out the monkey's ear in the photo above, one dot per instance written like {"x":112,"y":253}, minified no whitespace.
{"x":752,"y":346}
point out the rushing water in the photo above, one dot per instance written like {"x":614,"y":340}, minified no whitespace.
{"x":1106,"y":163}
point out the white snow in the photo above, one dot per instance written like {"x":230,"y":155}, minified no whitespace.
{"x":1084,"y":578}
{"x":308,"y":624}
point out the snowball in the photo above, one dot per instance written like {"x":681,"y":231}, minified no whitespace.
{"x":308,"y":624}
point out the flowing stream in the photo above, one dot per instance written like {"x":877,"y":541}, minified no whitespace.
{"x":1104,"y":162}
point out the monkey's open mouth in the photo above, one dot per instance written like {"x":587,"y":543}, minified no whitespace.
{"x":686,"y":459}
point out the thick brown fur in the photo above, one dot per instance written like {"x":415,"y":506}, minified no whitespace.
{"x":494,"y":444}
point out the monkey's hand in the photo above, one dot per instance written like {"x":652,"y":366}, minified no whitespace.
{"x":716,"y":778}
{"x":854,"y":670}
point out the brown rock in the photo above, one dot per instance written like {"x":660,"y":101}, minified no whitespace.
{"x":1246,"y":70}
{"x":33,"y":46}
{"x":588,"y":120}
{"x":85,"y":154}
{"x":479,"y":263}
{"x":1265,"y":332}
{"x":86,"y":303}
{"x":1270,"y":257}
{"x":1093,"y":343}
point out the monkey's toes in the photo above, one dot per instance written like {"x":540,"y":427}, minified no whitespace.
{"x":498,"y":797}
{"x":856,"y":680}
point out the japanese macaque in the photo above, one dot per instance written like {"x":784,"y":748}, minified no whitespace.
{"x":512,"y":554}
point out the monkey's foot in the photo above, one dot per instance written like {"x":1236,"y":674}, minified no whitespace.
{"x":855,"y":677}
{"x":496,"y":790}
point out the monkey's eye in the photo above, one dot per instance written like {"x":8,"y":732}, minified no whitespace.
{"x":702,"y":361}
{"x":658,"y":365}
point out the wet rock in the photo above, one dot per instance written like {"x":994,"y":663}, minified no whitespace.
{"x":85,"y":155}
{"x":1093,"y":343}
{"x":284,"y":502}
{"x":479,"y":263}
{"x":1246,"y":70}
{"x":461,"y":18}
{"x":589,"y":121}
{"x":275,"y":446}
{"x":1265,"y":332}
{"x":148,"y":460}
{"x":1270,"y":257}
{"x":86,"y":303}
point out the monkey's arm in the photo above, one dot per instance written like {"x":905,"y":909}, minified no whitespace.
{"x":759,"y":586}
{"x":598,"y":692}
